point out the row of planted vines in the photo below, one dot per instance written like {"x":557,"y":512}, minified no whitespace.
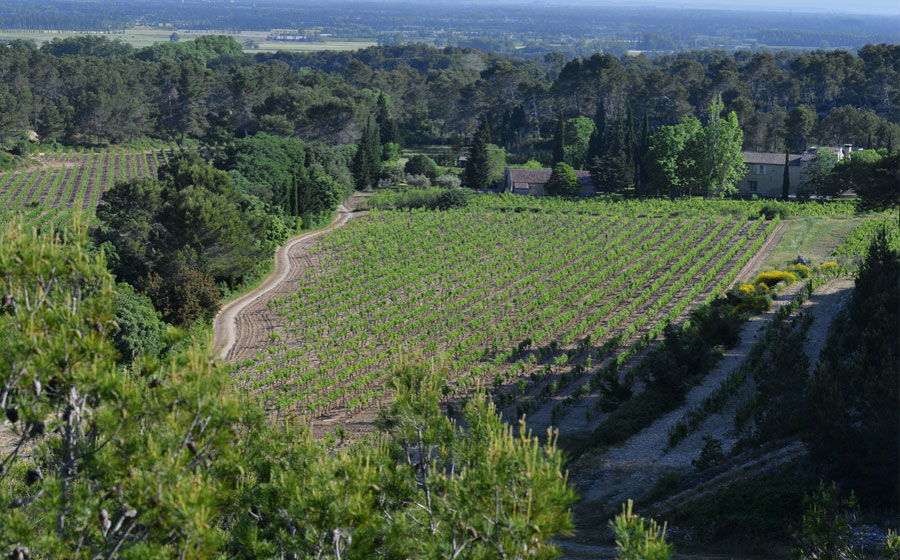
{"x":61,"y":185}
{"x":536,"y":305}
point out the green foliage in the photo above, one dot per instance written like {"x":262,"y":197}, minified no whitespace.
{"x":390,"y":152}
{"x":694,"y":159}
{"x":577,"y":135}
{"x":638,"y":538}
{"x":163,"y":459}
{"x":366,"y":165}
{"x":827,"y":526}
{"x":563,"y":181}
{"x":128,"y":462}
{"x":191,"y":218}
{"x":532,"y":164}
{"x":435,"y":198}
{"x":420,"y":164}
{"x":448,"y":181}
{"x":185,"y":297}
{"x":139,"y":329}
{"x":851,"y":402}
{"x":478,"y":168}
{"x":418,"y":181}
{"x":202,"y":50}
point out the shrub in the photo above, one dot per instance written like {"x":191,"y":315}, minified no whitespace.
{"x":421,"y":165}
{"x":418,"y":181}
{"x":774,"y":277}
{"x":800,"y":270}
{"x":391,"y":177}
{"x":448,"y":181}
{"x":455,"y":198}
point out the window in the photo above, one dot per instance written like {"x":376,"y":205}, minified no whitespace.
{"x":753,"y":186}
{"x":760,"y":169}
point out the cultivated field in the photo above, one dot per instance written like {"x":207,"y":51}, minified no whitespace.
{"x":67,"y":183}
{"x":542,"y":308}
{"x":140,"y":37}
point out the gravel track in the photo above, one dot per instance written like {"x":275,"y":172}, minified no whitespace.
{"x":242,"y":326}
{"x":631,"y":469}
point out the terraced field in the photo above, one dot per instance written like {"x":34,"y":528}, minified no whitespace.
{"x":540,"y":307}
{"x":63,"y":184}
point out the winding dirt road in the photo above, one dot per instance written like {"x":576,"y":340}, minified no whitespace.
{"x":231,"y":323}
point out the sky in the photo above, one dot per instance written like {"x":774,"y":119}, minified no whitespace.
{"x":872,"y":7}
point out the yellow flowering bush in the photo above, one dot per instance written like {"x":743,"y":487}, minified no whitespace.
{"x":774,"y":277}
{"x":800,"y":270}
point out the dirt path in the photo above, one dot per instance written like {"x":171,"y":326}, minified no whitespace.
{"x":632,"y":469}
{"x":229,"y":338}
{"x":755,"y":264}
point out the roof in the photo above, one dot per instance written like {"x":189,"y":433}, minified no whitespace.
{"x":770,"y":158}
{"x":541,"y":176}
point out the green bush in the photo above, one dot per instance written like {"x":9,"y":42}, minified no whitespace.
{"x":421,"y":165}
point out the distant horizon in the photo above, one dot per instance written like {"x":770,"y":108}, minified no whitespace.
{"x":869,"y":8}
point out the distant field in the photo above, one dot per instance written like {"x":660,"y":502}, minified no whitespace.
{"x":140,"y":37}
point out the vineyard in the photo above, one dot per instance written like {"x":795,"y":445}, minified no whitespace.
{"x":67,"y":183}
{"x":541,"y":307}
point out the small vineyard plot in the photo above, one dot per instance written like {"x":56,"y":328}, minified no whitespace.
{"x":506,"y":300}
{"x":68,"y":183}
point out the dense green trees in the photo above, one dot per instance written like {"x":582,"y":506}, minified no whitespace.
{"x":139,"y":329}
{"x":694,"y":159}
{"x":164,"y":458}
{"x":184,"y":231}
{"x":563,"y":181}
{"x":851,"y":402}
{"x":92,"y":90}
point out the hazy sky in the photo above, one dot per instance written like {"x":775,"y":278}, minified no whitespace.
{"x":877,"y":7}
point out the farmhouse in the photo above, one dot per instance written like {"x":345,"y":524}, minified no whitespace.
{"x":765,"y":170}
{"x":532,"y":181}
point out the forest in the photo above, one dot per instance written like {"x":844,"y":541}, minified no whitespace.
{"x":96,"y":91}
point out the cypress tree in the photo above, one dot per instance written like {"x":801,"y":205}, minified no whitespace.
{"x":598,"y":137}
{"x":363,"y":164}
{"x":559,"y":141}
{"x":630,"y":145}
{"x":642,"y":178}
{"x":374,"y":153}
{"x":786,"y":181}
{"x":478,"y":167}
{"x":387,"y":126}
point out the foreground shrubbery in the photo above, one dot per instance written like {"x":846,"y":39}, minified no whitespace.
{"x":164,"y":460}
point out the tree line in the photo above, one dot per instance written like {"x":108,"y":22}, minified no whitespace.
{"x":91,"y":90}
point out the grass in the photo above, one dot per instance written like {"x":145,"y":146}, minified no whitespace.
{"x":140,"y":37}
{"x":813,"y":237}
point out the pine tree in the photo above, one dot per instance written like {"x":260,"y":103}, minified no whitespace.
{"x":478,"y":167}
{"x":786,"y":181}
{"x":559,"y":141}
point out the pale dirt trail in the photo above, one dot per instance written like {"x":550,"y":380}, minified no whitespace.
{"x":226,"y":326}
{"x":631,"y":469}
